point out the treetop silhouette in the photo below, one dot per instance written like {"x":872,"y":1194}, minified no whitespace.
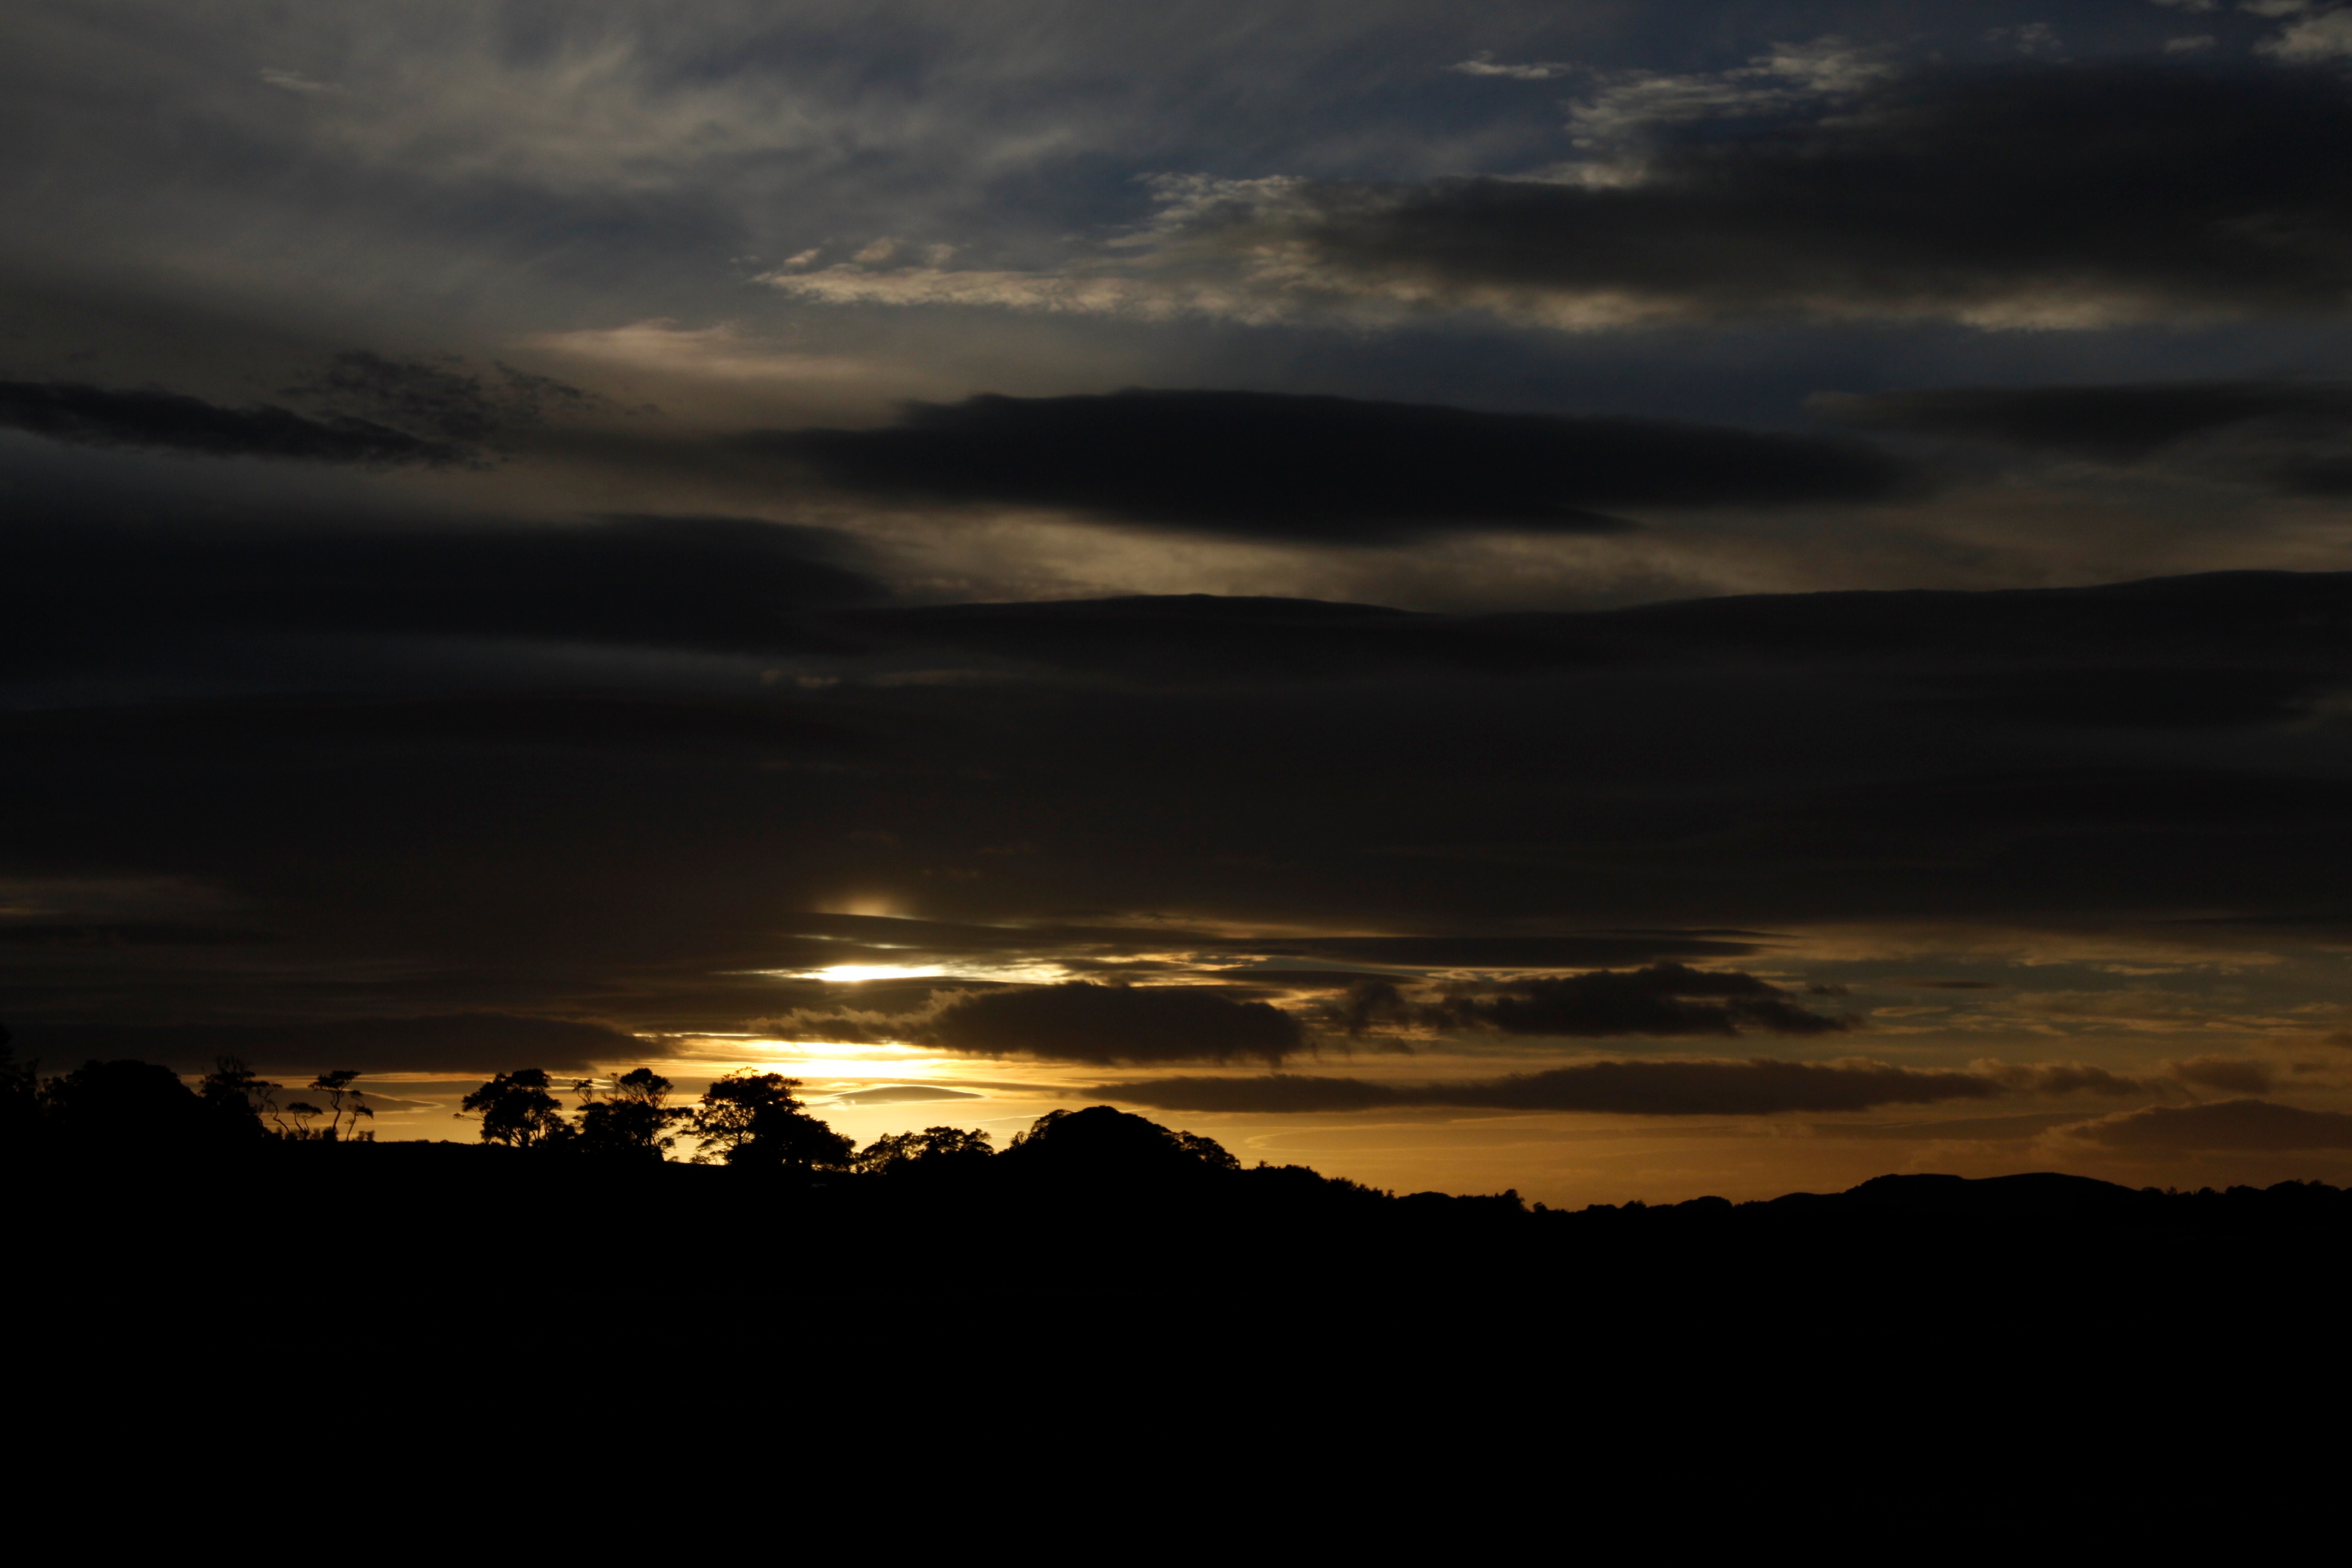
{"x":1103,"y":1142}
{"x":754,"y":1119}
{"x":517,"y":1110}
{"x":933,"y":1152}
{"x":631,"y":1119}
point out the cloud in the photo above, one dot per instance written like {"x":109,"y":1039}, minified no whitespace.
{"x":714,"y":583}
{"x":1753,"y":1087}
{"x":126,"y":933}
{"x":295,"y":81}
{"x":168,"y":421}
{"x":454,"y":1042}
{"x":2231,"y":1075}
{"x":2119,"y":424}
{"x":1665,"y":999}
{"x":2143,"y":213}
{"x":1567,"y":950}
{"x":1484,"y":63}
{"x":2326,"y":36}
{"x":2234,"y":648}
{"x":2295,"y":435}
{"x":449,"y":401}
{"x":902,"y":1094}
{"x":2032,"y":38}
{"x":1213,"y":780}
{"x":1336,"y":469}
{"x":1080,"y":1021}
{"x":2056,"y":1077}
{"x":1364,"y":1006}
{"x":2028,"y":194}
{"x":1628,"y":110}
{"x":2250,"y":1125}
{"x":862,"y":1028}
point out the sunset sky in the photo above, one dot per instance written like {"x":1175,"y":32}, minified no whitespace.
{"x":1617,"y":600}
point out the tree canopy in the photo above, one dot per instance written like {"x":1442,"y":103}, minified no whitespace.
{"x":630,"y":1121}
{"x":754,"y":1119}
{"x":517,"y":1110}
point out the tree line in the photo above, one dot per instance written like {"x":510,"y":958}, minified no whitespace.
{"x":746,"y":1119}
{"x":135,"y":1103}
{"x":127,"y":1111}
{"x":757,"y":1119}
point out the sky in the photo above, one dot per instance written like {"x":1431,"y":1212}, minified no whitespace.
{"x":1621,"y":600}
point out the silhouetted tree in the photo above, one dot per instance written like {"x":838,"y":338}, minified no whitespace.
{"x":632,"y":1121}
{"x":517,"y":1110}
{"x":932,"y":1152}
{"x":126,"y":1104}
{"x":302,"y":1111}
{"x":1101,"y":1142}
{"x":20,"y":1105}
{"x":754,"y":1119}
{"x":235,"y":1096}
{"x":1208,"y":1151}
{"x":342,"y":1101}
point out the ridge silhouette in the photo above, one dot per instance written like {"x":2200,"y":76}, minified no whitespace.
{"x":133,"y":1181}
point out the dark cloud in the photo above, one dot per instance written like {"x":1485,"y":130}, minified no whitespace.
{"x":168,"y":421}
{"x":1080,"y":1021}
{"x":2119,"y":424}
{"x":449,"y":401}
{"x":2063,"y":194}
{"x":903,"y":1094}
{"x":439,"y":727}
{"x":125,"y":933}
{"x":2292,"y":436}
{"x":2231,"y":1075}
{"x":1754,"y":1087}
{"x":2058,"y":1077}
{"x":1366,"y":1005}
{"x":2254,"y":1125}
{"x":2084,"y":645}
{"x":1686,"y":775}
{"x":845,"y":938}
{"x":834,"y":1028}
{"x":458,"y":1043}
{"x":708,"y":582}
{"x":1324,"y":468}
{"x":2133,"y":696}
{"x":1664,"y":999}
{"x":1437,"y":951}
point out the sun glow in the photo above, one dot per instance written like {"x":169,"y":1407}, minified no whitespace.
{"x":845,"y":972}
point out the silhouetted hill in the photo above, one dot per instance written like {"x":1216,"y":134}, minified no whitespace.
{"x":1102,"y":1215}
{"x":136,"y":1192}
